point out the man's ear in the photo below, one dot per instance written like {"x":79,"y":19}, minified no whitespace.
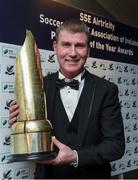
{"x":54,"y":46}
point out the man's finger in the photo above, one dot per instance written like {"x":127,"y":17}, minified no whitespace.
{"x":14,"y":114}
{"x":56,"y":142}
{"x":13,"y":102}
{"x":11,"y":121}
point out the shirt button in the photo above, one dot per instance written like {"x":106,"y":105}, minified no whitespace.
{"x":68,"y":91}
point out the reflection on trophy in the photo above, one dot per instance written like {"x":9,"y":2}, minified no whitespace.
{"x":31,"y":134}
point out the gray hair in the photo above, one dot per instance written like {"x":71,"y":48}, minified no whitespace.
{"x":73,"y":26}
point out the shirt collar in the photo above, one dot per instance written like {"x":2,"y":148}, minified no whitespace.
{"x":78,"y":77}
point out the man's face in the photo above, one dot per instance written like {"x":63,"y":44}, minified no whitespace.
{"x":72,"y":51}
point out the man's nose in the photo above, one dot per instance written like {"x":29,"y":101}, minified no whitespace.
{"x":73,"y":51}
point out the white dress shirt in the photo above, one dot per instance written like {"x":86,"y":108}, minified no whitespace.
{"x":69,"y":96}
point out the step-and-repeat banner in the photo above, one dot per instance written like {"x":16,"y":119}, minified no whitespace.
{"x":114,"y":53}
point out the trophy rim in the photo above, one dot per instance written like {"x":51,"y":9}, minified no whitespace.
{"x":32,"y":157}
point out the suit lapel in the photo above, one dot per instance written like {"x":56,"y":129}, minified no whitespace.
{"x":87,"y":96}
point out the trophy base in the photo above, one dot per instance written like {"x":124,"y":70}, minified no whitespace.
{"x":32,"y":157}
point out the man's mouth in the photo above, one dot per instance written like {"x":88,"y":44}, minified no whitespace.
{"x":72,"y":60}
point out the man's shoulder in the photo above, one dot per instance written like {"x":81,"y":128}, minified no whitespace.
{"x":101,"y":81}
{"x":50,"y":76}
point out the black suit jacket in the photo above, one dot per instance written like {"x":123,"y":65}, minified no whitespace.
{"x":100,"y":137}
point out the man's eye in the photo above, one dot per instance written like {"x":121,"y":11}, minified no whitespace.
{"x":80,"y":46}
{"x":65,"y":45}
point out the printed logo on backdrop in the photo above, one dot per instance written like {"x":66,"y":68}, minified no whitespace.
{"x":10,"y":70}
{"x":7,"y":174}
{"x":51,"y":65}
{"x":135,"y":162}
{"x":21,"y":173}
{"x":9,"y":52}
{"x":4,"y":122}
{"x":48,"y":62}
{"x":7,"y":105}
{"x":7,"y":87}
{"x":6,"y":141}
{"x":4,"y":158}
{"x":51,"y":58}
{"x":52,"y":62}
{"x":134,"y":116}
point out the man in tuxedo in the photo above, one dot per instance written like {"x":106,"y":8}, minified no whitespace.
{"x":83,"y":109}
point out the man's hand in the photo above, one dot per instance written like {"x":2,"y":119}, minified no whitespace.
{"x":13,"y":112}
{"x":65,"y":156}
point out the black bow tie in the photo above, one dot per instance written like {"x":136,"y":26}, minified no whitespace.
{"x":74,"y":84}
